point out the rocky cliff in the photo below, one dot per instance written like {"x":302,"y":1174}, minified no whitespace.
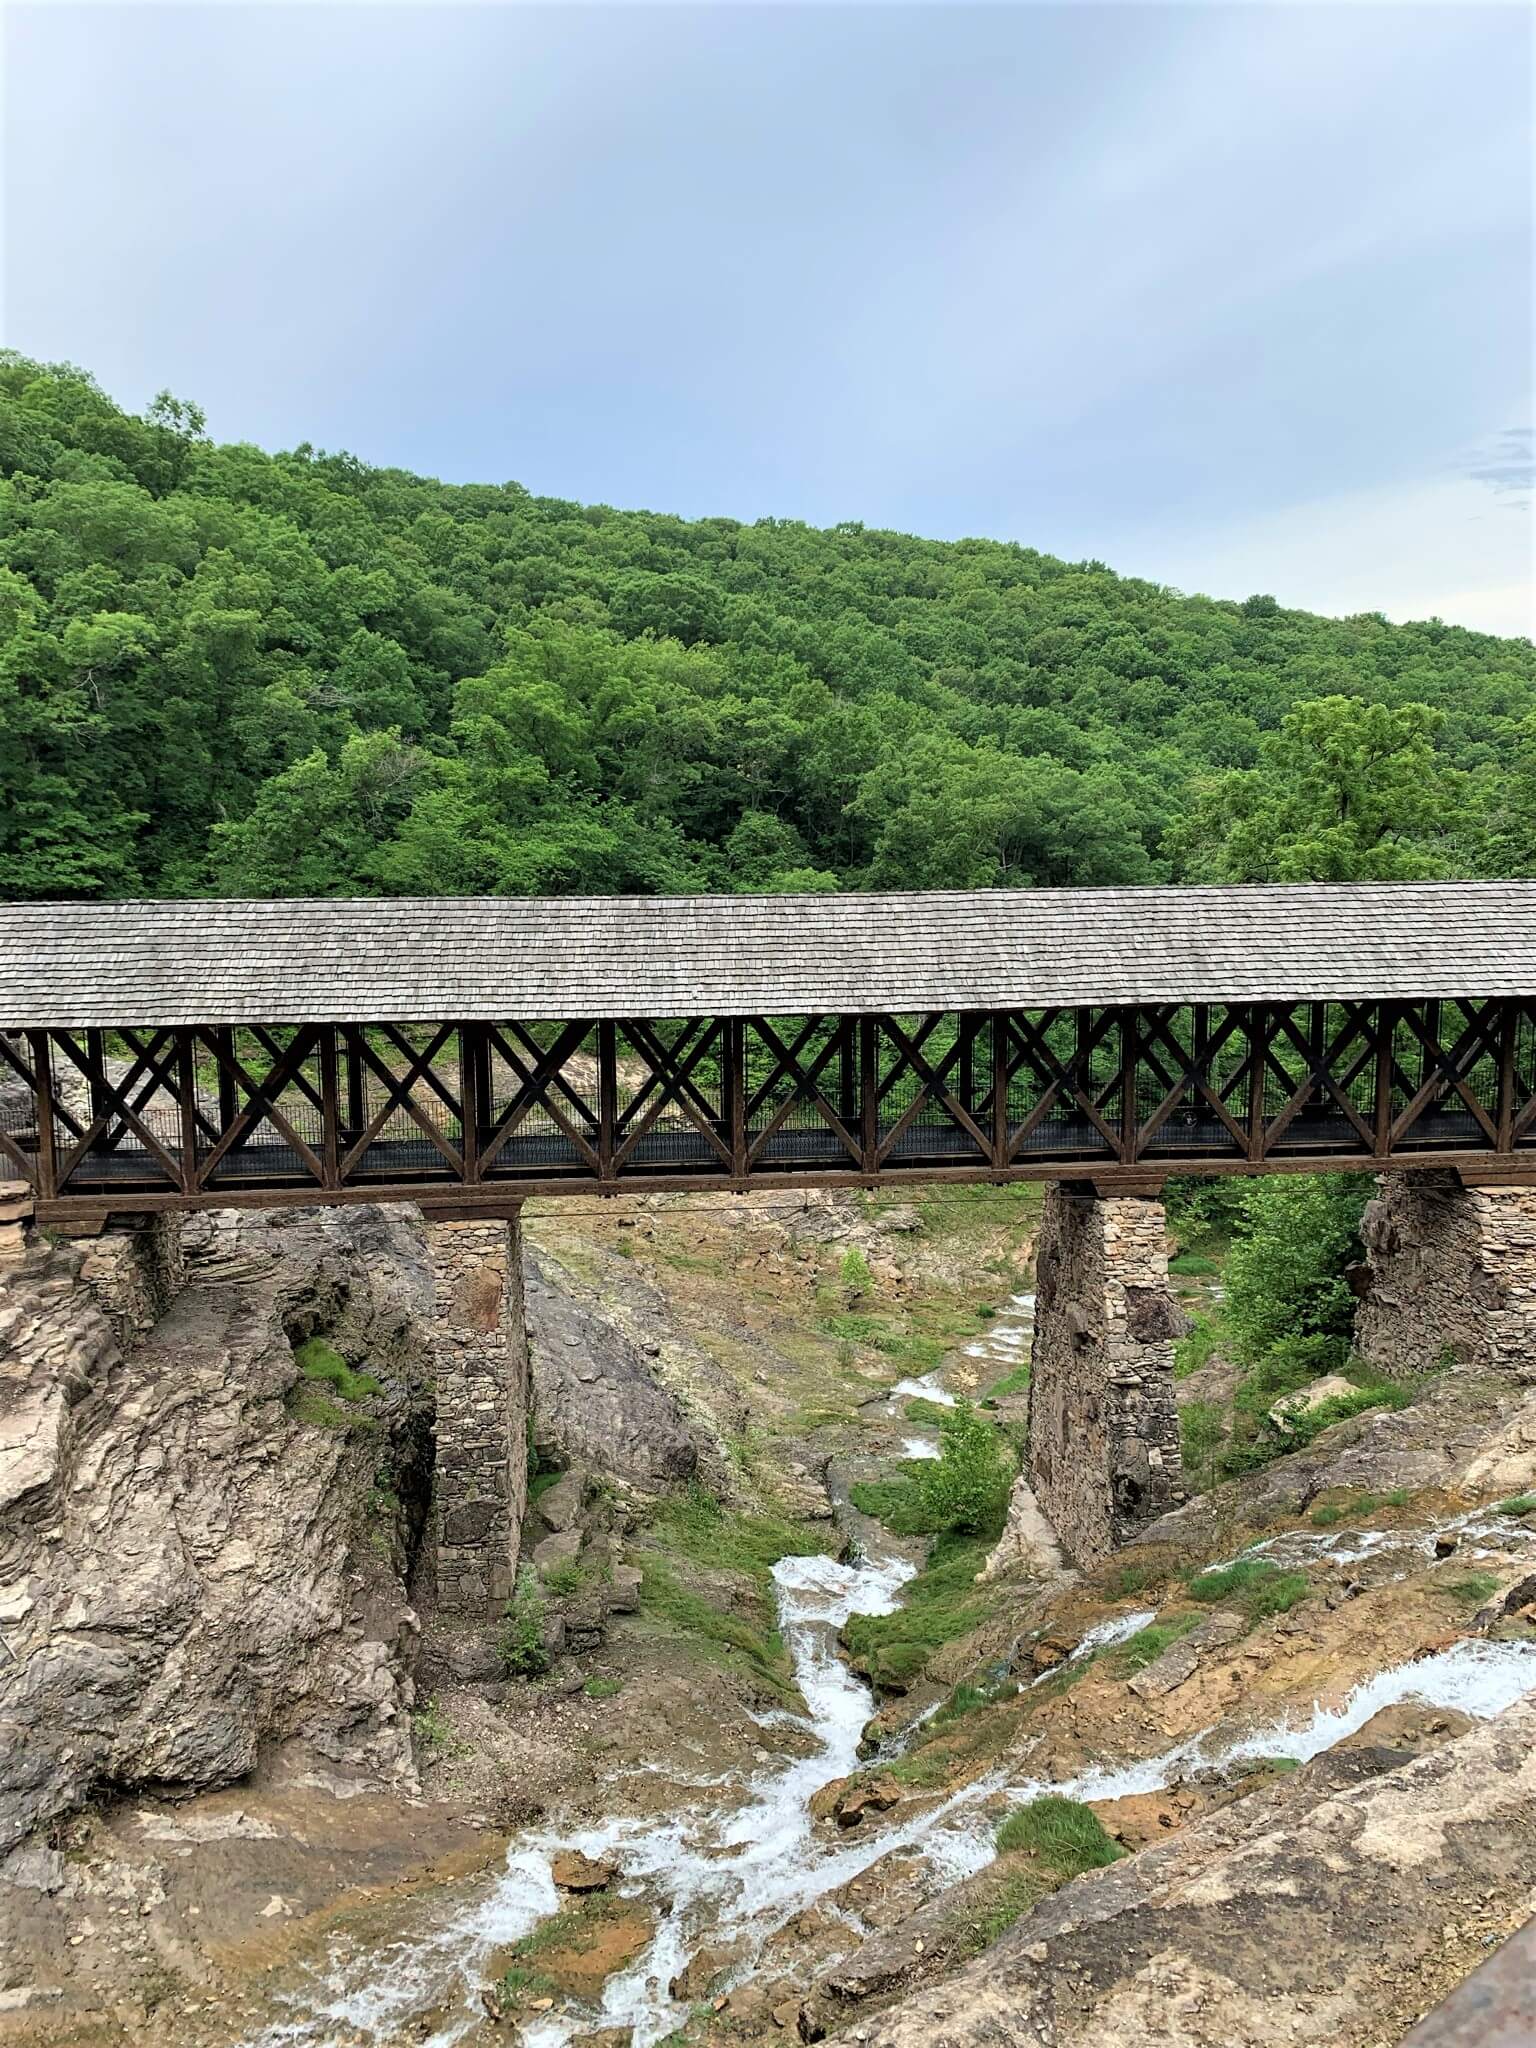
{"x":202,"y":1553}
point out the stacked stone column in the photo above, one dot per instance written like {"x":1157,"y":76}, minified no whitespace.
{"x":1103,"y":1425}
{"x":1450,"y":1277}
{"x":480,"y":1360}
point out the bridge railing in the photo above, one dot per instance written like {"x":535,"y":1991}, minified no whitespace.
{"x":285,"y":1110}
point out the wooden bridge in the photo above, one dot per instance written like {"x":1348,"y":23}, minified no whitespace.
{"x":464,"y":1054}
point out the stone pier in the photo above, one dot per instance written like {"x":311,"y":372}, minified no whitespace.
{"x":1450,"y":1276}
{"x":480,"y":1359}
{"x":1103,"y":1426}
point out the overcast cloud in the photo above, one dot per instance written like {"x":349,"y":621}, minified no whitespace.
{"x":1236,"y":297}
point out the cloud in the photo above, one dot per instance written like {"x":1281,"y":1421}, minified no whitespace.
{"x":1509,"y":465}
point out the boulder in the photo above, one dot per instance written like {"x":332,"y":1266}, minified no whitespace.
{"x":473,"y":1659}
{"x":900,"y":1221}
{"x":574,"y":1872}
{"x":563,"y":1547}
{"x":874,"y":1795}
{"x":560,"y":1505}
{"x":624,"y":1589}
{"x":703,"y":1970}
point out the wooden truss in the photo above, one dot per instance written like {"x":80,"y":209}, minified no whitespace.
{"x":464,"y":1114}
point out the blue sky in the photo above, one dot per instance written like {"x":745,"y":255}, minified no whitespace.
{"x":1237,"y":297}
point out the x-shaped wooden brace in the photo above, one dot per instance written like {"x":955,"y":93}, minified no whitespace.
{"x":1476,"y":1040}
{"x":535,"y":1073}
{"x":398,"y":1089}
{"x":804,"y":1083}
{"x":25,"y":1164}
{"x":1060,"y":1079}
{"x":671,"y":1080}
{"x":935,"y":1082}
{"x":1192,"y":1069}
{"x":120,"y":1103}
{"x":261,"y":1099}
{"x":161,"y":1076}
{"x":1320,"y":1069}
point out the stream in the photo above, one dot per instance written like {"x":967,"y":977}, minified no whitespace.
{"x":736,"y":1877}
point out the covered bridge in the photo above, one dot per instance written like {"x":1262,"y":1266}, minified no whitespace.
{"x":461,"y":1053}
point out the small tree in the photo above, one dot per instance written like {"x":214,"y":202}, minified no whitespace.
{"x":520,"y":1644}
{"x":854,"y":1274}
{"x":965,"y":1489}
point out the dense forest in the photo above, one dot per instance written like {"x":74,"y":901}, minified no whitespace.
{"x":228,"y":672}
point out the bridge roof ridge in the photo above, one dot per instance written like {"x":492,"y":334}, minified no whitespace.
{"x":411,"y":959}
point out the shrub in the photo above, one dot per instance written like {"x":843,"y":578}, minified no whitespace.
{"x":1198,"y":1346}
{"x":1202,"y":1432}
{"x":321,"y":1362}
{"x":520,"y":1645}
{"x":1285,"y":1281}
{"x":965,"y":1489}
{"x":1518,"y":1504}
{"x":564,"y":1579}
{"x":1067,"y":1836}
{"x":854,"y":1273}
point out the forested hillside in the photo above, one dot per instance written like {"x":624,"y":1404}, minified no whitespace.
{"x":227,"y":671}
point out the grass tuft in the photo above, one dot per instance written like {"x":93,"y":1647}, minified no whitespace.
{"x":1067,"y":1836}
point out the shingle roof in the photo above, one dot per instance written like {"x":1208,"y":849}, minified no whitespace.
{"x":407,"y":960}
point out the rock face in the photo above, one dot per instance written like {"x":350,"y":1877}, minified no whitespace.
{"x":597,"y":1400}
{"x":1103,"y":1424}
{"x":188,"y":1570}
{"x":1450,"y":1273}
{"x":1245,"y":1930}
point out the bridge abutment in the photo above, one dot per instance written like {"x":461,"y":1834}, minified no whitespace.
{"x":480,"y":1358}
{"x":1450,"y":1276}
{"x":1103,"y":1425}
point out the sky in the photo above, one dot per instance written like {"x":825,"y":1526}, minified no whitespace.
{"x":1237,"y":297}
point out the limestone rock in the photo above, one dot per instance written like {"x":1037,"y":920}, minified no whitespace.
{"x":900,"y":1221}
{"x":560,"y":1504}
{"x":859,"y":1800}
{"x":624,"y":1589}
{"x":186,"y":1544}
{"x":563,"y":1547}
{"x":1336,"y":1898}
{"x":703,"y":1971}
{"x":598,"y":1400}
{"x":1028,"y":1542}
{"x":574,"y":1872}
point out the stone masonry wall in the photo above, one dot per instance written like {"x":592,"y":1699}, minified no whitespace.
{"x":136,"y":1274}
{"x":1450,"y":1276}
{"x":480,"y":1356}
{"x":1103,"y":1426}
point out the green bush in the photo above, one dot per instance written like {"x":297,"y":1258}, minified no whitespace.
{"x":565,"y":1579}
{"x":1202,"y":1432}
{"x":1518,"y":1504}
{"x":1296,"y":1236}
{"x":322,"y":1363}
{"x":520,"y":1645}
{"x":1252,"y":1584}
{"x":964,"y":1491}
{"x":854,"y":1273}
{"x":1067,"y":1836}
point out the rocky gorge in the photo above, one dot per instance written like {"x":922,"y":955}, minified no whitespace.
{"x":745,"y":1761}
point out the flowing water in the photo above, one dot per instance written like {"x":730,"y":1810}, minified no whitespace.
{"x":737,"y":1877}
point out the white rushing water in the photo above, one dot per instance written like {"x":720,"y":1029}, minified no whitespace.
{"x":739,"y":1876}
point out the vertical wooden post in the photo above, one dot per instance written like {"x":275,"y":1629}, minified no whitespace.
{"x":357,"y":1111}
{"x":968,"y":1026}
{"x":1129,"y":1117}
{"x":330,"y":1108}
{"x":869,"y":1095}
{"x":1509,"y":1024}
{"x":229,"y":1101}
{"x":96,"y":1053}
{"x":1381,"y":1124}
{"x":847,"y":1074}
{"x":607,"y":1096}
{"x":1258,"y":1041}
{"x":736,"y":1094}
{"x":471,"y":1052}
{"x":186,"y":1097}
{"x":47,"y":1151}
{"x":1000,"y":1090}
